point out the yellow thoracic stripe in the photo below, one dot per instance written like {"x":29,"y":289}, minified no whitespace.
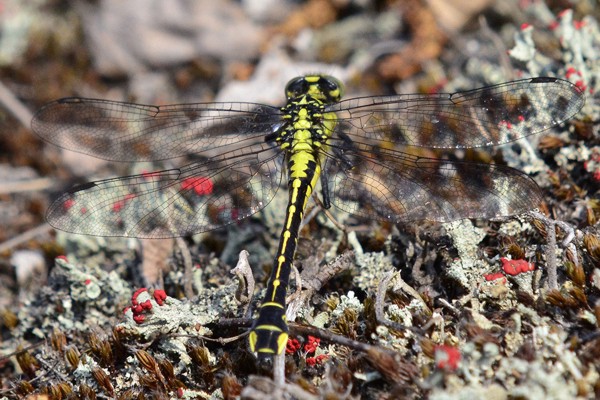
{"x":303,"y":136}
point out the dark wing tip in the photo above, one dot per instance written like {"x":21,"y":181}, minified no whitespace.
{"x":79,"y":188}
{"x":543,"y":79}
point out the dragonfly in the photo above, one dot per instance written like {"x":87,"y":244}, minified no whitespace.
{"x":360,"y":150}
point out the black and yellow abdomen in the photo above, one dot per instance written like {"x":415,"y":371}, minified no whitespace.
{"x":304,"y":135}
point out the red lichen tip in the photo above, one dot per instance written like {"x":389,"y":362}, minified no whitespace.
{"x":447,"y":357}
{"x":139,"y":318}
{"x":312,"y":344}
{"x":572,"y":71}
{"x":200,"y":184}
{"x":136,"y":294}
{"x":159,"y":296}
{"x":292,"y":346}
{"x":68,"y":204}
{"x":312,"y":361}
{"x":564,"y":12}
{"x":516,"y":267}
{"x":137,"y":309}
{"x":146,"y":305}
{"x":581,"y":85}
{"x":495,"y":276}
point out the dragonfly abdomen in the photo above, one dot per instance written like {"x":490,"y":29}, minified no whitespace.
{"x":270,"y":333}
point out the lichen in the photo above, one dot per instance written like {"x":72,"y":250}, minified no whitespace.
{"x":468,"y":267}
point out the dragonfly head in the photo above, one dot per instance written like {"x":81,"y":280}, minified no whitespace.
{"x":321,"y":87}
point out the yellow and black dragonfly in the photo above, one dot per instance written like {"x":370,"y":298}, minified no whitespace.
{"x":242,"y":152}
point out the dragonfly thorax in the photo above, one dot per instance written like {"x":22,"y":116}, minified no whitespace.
{"x":304,"y":128}
{"x":306,"y":125}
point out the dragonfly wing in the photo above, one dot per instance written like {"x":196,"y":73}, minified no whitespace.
{"x":133,"y":132}
{"x":399,"y":187}
{"x":199,"y":197}
{"x":482,"y":117}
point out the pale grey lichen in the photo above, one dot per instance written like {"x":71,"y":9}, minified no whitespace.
{"x":176,"y":322}
{"x":349,"y":301}
{"x":319,"y":321}
{"x":384,"y":337}
{"x":516,"y":226}
{"x":554,"y":372}
{"x":524,"y":50}
{"x":475,"y":390}
{"x":592,"y":162}
{"x":524,"y":281}
{"x":88,"y":296}
{"x":371,"y":269}
{"x":404,"y":316}
{"x":468,"y":268}
{"x":520,"y":378}
{"x":174,"y":316}
{"x":465,"y":236}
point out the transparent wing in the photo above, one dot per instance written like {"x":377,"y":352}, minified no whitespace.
{"x":394,"y":186}
{"x":133,"y":132}
{"x":482,"y":117}
{"x":198,"y":197}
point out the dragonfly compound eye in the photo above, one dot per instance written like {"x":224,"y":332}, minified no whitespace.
{"x":296,"y":87}
{"x":332,"y":88}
